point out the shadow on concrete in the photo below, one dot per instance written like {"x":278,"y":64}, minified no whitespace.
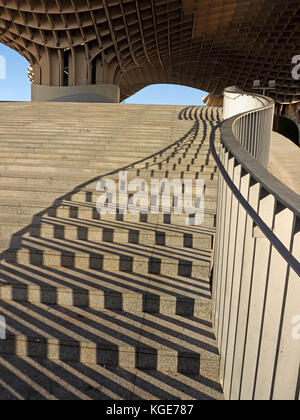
{"x":74,"y":329}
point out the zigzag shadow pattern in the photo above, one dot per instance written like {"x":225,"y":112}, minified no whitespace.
{"x":115,"y":306}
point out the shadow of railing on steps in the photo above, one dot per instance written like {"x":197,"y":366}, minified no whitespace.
{"x":49,"y":311}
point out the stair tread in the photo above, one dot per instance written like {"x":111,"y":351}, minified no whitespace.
{"x":35,"y":379}
{"x":110,"y":283}
{"x":120,"y":304}
{"x":59,"y":203}
{"x":92,"y":330}
{"x":170,"y":230}
{"x":60,"y":190}
{"x":115,"y":250}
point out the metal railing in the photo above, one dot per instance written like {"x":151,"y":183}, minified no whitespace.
{"x":256,"y":283}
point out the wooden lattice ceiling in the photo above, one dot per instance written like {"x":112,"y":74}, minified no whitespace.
{"x":207,"y":44}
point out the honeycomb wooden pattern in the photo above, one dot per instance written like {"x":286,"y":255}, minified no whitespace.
{"x":206,"y":44}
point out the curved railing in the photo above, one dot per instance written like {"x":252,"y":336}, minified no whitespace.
{"x":256,"y":284}
{"x":253,"y":126}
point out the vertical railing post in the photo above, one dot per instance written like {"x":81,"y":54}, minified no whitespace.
{"x":256,"y":284}
{"x":274,"y":299}
{"x":286,"y":374}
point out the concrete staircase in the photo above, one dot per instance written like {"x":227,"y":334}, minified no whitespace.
{"x":111,"y":306}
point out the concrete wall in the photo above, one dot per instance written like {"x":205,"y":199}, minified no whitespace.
{"x":284,"y":162}
{"x":105,"y":93}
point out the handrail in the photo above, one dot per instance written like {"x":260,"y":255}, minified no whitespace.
{"x":253,"y":123}
{"x":281,"y":192}
{"x":256,"y":273}
{"x":234,"y":90}
{"x":284,"y":252}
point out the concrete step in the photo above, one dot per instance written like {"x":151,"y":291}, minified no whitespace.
{"x":169,"y":157}
{"x":87,"y":211}
{"x":136,"y":180}
{"x":23,"y":207}
{"x":106,"y":231}
{"x":82,"y":254}
{"x":86,"y":154}
{"x":84,"y":294}
{"x":58,"y":168}
{"x":95,"y":143}
{"x":75,"y":164}
{"x":68,"y":181}
{"x":96,"y":161}
{"x":28,"y":378}
{"x":102,"y":128}
{"x":43,"y":142}
{"x":47,"y":168}
{"x":40,"y":135}
{"x":177,"y":165}
{"x":91,"y":195}
{"x":108,"y":338}
{"x":106,"y":289}
{"x":153,"y":172}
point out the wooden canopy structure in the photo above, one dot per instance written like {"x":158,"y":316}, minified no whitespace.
{"x":206,"y":44}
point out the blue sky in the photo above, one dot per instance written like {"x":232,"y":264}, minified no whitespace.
{"x":16,"y":86}
{"x":168,"y":95}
